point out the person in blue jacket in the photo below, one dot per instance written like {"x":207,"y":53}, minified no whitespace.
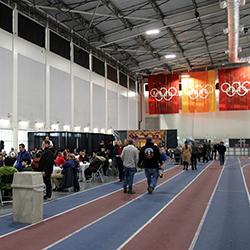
{"x":21,"y":154}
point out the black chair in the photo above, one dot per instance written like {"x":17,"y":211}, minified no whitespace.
{"x":6,"y":194}
{"x":70,"y":181}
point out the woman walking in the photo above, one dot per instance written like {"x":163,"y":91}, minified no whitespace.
{"x":186,"y":153}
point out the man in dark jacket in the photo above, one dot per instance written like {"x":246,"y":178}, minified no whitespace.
{"x":46,"y":167}
{"x":150,"y":156}
{"x":221,"y":150}
{"x":23,"y":153}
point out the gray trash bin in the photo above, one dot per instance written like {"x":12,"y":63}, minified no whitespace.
{"x":27,"y":188}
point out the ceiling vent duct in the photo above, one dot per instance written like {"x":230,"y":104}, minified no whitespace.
{"x":233,"y":19}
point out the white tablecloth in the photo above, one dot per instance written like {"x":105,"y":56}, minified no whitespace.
{"x":83,"y":166}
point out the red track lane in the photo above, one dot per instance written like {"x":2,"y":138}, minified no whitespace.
{"x":174,"y":228}
{"x":49,"y":231}
{"x":243,"y":159}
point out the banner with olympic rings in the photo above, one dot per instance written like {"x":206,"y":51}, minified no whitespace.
{"x":163,"y":94}
{"x":198,"y":92}
{"x":234,"y":87}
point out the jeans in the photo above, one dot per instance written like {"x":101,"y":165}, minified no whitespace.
{"x":222,"y":158}
{"x":152,"y":176}
{"x":129,"y":177}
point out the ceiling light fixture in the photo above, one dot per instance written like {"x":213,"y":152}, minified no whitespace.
{"x":151,"y":32}
{"x":185,"y":76}
{"x":170,"y":56}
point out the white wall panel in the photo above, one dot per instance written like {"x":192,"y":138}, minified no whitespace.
{"x":82,"y":102}
{"x":133,"y":124}
{"x":6,"y":80}
{"x":123,"y":110}
{"x":112,"y":100}
{"x":58,"y":62}
{"x":97,"y":79}
{"x":98,"y":106}
{"x":6,"y":39}
{"x":31,"y":90}
{"x":60,"y":97}
{"x":81,"y":72}
{"x":111,"y":85}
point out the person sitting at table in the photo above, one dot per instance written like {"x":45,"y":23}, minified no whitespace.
{"x":94,"y":165}
{"x":83,"y":156}
{"x":26,"y":163}
{"x":59,"y":159}
{"x":65,"y":166}
{"x":35,"y":162}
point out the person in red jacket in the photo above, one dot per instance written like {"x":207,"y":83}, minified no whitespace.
{"x":60,"y":160}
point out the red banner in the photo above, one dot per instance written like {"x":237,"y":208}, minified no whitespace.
{"x":163,"y":94}
{"x":234,"y":85}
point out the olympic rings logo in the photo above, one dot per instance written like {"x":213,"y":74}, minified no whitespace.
{"x":199,"y":91}
{"x":163,"y":93}
{"x":236,"y":88}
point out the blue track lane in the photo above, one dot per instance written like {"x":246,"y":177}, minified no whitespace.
{"x":227,"y":224}
{"x":113,"y":230}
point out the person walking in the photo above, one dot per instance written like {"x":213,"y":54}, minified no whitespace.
{"x":150,"y":157}
{"x":221,"y":150}
{"x":194,"y":155}
{"x":186,"y":152}
{"x":130,"y":158}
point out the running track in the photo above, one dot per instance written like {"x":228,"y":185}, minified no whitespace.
{"x":201,"y":210}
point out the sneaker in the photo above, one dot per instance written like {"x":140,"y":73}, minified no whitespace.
{"x":131,"y":192}
{"x":45,"y":198}
{"x":125,"y":190}
{"x":150,"y":189}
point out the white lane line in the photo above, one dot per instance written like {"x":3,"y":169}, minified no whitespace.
{"x":149,"y":221}
{"x":192,"y":245}
{"x":106,"y":215}
{"x":245,"y":183}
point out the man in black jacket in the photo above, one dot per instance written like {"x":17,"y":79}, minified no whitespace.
{"x":46,"y":167}
{"x":150,"y":156}
{"x":221,"y":150}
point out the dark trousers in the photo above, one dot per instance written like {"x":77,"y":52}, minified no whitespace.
{"x":47,"y":182}
{"x":193,"y":160}
{"x":214,"y":153}
{"x":121,"y":171}
{"x":204,"y":156}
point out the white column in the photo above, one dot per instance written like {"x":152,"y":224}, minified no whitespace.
{"x":106,"y":97}
{"x":15,"y":79}
{"x":72,"y":85}
{"x":91,"y":93}
{"x":47,"y":97}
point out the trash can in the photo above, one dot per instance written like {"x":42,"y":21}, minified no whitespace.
{"x":27,"y":190}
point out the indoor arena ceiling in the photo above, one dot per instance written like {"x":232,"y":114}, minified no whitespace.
{"x":192,"y":30}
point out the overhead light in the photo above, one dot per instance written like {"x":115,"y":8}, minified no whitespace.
{"x":109,"y":131}
{"x":55,"y":126}
{"x":185,"y":76}
{"x":151,"y":32}
{"x":86,"y":129}
{"x":197,"y":15}
{"x":39,"y":125}
{"x":103,"y":130}
{"x":95,"y":130}
{"x":77,"y":128}
{"x":23,"y":123}
{"x":4,"y":122}
{"x":170,"y":56}
{"x":66,"y":127}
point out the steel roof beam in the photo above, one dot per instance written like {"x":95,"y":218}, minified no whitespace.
{"x":202,"y":31}
{"x":170,"y":32}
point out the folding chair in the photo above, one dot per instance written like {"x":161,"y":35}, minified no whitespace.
{"x":98,"y":175}
{"x":7,"y":179}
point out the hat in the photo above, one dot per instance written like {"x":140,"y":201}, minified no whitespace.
{"x":76,"y":149}
{"x":148,"y":139}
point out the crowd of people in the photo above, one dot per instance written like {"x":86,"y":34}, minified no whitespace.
{"x":118,"y":159}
